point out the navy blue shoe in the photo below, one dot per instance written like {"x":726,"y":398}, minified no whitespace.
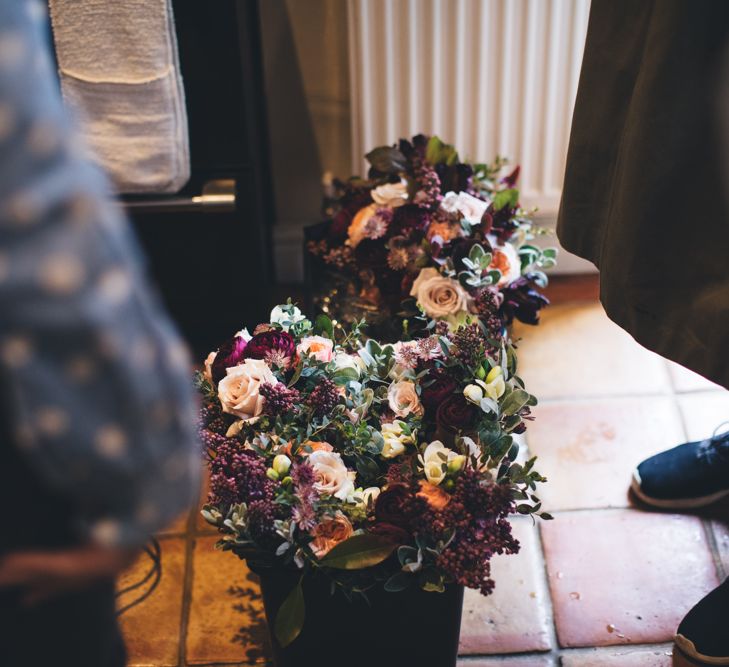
{"x":702,"y":634}
{"x":691,"y":475}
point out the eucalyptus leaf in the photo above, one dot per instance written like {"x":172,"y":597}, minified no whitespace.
{"x":398,"y":582}
{"x":515,"y":401}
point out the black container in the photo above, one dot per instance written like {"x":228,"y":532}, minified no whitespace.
{"x":411,"y":627}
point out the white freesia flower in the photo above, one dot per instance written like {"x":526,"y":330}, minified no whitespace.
{"x":494,"y":386}
{"x":289,"y":314}
{"x":391,"y":194}
{"x":470,"y":207}
{"x":437,"y":295}
{"x":473,"y":393}
{"x":396,"y":440}
{"x":435,"y":460}
{"x":331,"y":474}
{"x":366,"y":497}
{"x":239,"y":390}
{"x":281,"y":464}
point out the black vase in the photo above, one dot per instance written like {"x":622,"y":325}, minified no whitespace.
{"x":411,"y":627}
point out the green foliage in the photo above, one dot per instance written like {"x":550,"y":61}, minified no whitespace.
{"x":290,"y":617}
{"x":387,"y":159}
{"x":438,"y":152}
{"x":358,"y":552}
{"x":506,"y":198}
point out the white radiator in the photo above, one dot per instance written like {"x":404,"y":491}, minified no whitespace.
{"x":490,"y":76}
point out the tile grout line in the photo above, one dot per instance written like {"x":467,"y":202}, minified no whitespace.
{"x":706,"y":523}
{"x":554,"y":640}
{"x":190,"y":540}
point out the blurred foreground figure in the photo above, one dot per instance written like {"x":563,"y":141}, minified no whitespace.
{"x":97,"y":438}
{"x":646,"y":198}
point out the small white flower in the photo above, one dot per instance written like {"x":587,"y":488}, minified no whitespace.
{"x":470,"y":207}
{"x":473,"y":393}
{"x":286,"y":315}
{"x":281,"y":464}
{"x":396,"y":440}
{"x":494,"y":386}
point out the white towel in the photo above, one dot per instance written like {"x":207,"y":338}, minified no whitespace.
{"x":120,"y":71}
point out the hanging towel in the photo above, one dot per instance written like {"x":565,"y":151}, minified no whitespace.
{"x":120,"y":71}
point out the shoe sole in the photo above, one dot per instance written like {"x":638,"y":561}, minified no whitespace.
{"x":689,"y":649}
{"x":675,"y":504}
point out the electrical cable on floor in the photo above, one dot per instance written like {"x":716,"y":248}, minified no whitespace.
{"x":154,"y":552}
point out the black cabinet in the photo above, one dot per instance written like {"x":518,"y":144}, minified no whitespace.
{"x":209,"y":246}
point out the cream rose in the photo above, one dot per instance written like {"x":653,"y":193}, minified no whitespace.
{"x":238,"y":391}
{"x":470,"y":207}
{"x":437,"y":295}
{"x":318,"y":347}
{"x":506,"y":260}
{"x":403,"y":399}
{"x":391,"y":194}
{"x":286,"y":316}
{"x":330,"y":532}
{"x":331,"y":475}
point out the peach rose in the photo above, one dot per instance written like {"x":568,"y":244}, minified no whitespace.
{"x":317,"y":346}
{"x":238,"y":391}
{"x":331,"y":476}
{"x":437,"y":295}
{"x":506,"y":260}
{"x":315,"y":446}
{"x":446,"y":230}
{"x":208,"y":368}
{"x":436,"y":497}
{"x":330,"y":532}
{"x":403,"y":399}
{"x":357,"y":230}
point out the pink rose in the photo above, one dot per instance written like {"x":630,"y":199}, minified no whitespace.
{"x":403,"y":399}
{"x":330,"y":532}
{"x":322,"y":349}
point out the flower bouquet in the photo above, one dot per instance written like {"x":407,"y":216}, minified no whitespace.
{"x":344,"y":470}
{"x":425,"y":237}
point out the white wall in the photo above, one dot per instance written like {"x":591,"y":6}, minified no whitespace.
{"x":490,"y":76}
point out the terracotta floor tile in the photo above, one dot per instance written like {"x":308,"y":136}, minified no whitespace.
{"x":516,"y":661}
{"x":624,"y":576}
{"x":588,"y":449}
{"x":152,"y":628}
{"x":577,"y":351}
{"x":704,"y":411}
{"x":179,"y":525}
{"x":513,"y":619}
{"x":619,"y":657}
{"x":685,"y":380}
{"x":227,"y":623}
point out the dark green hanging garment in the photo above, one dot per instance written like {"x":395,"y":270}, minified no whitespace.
{"x":646,"y":193}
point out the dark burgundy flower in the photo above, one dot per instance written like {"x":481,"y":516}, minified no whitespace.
{"x":277,"y":346}
{"x":455,"y":177}
{"x":394,"y":506}
{"x":461,"y":247}
{"x":522,"y":301}
{"x":511,"y":179}
{"x":503,"y":223}
{"x":455,"y":414}
{"x":231,"y":353}
{"x":391,"y":532}
{"x":437,"y":391}
{"x":409,"y":218}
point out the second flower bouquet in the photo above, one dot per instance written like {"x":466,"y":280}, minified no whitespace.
{"x":374,"y":466}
